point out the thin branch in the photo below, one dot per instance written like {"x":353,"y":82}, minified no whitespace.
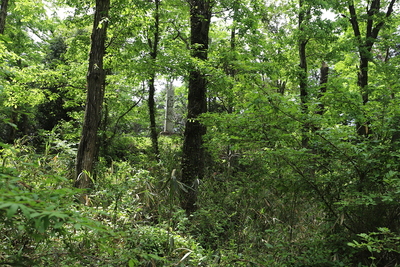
{"x":321,"y":194}
{"x":123,"y":115}
{"x":179,"y":35}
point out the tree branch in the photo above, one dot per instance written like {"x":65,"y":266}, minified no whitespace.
{"x":354,"y":22}
{"x":375,"y":31}
{"x":123,"y":115}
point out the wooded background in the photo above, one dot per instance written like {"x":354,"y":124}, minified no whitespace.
{"x":199,"y":133}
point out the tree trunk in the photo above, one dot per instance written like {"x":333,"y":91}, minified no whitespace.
{"x":169,"y":109}
{"x":362,"y":127}
{"x":365,"y":48}
{"x":323,"y":80}
{"x":303,"y":73}
{"x":231,"y":70}
{"x":3,"y":15}
{"x":193,"y":151}
{"x":88,"y":146}
{"x":153,"y":44}
{"x":153,"y":126}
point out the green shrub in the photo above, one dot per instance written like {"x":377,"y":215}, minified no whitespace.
{"x":382,"y":246}
{"x":156,"y":246}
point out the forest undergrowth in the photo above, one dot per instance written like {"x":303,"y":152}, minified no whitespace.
{"x":247,"y":215}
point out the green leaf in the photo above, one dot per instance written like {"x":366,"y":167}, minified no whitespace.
{"x":154,"y":257}
{"x":353,"y":244}
{"x":58,"y":225}
{"x":46,"y":223}
{"x":36,"y":214}
{"x":25,"y":210}
{"x":5,"y":205}
{"x":12,"y":210}
{"x":132,"y":263}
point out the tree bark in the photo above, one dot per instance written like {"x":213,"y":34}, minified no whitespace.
{"x":169,"y":109}
{"x":193,"y":151}
{"x":3,"y":15}
{"x":88,"y":146}
{"x":153,"y":44}
{"x":323,"y":80}
{"x":153,"y":126}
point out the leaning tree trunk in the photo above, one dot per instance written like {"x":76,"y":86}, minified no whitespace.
{"x":193,"y":152}
{"x":88,"y":146}
{"x":3,"y":15}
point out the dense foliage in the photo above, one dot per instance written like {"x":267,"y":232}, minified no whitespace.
{"x":299,"y":157}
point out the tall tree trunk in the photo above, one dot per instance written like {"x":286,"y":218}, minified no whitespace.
{"x":153,"y":126}
{"x":3,"y":15}
{"x":323,"y":80}
{"x":303,"y":73}
{"x":232,"y":70}
{"x":169,"y":109}
{"x":193,"y":151}
{"x":88,"y":146}
{"x":153,"y":44}
{"x":365,"y":48}
{"x":363,"y":127}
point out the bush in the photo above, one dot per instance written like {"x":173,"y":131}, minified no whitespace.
{"x":155,"y":246}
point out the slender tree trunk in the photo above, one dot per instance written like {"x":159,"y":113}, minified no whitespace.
{"x":303,"y":83}
{"x":231,"y":70}
{"x":14,"y":115}
{"x":193,"y":151}
{"x":363,"y":127}
{"x":303,"y":73}
{"x":169,"y":109}
{"x":323,"y":80}
{"x":88,"y":146}
{"x":3,"y":15}
{"x":153,"y":126}
{"x":153,"y":44}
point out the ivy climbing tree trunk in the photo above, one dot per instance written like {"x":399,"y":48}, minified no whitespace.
{"x":153,"y":44}
{"x":193,"y":152}
{"x":374,"y":24}
{"x":3,"y":15}
{"x":88,"y":146}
